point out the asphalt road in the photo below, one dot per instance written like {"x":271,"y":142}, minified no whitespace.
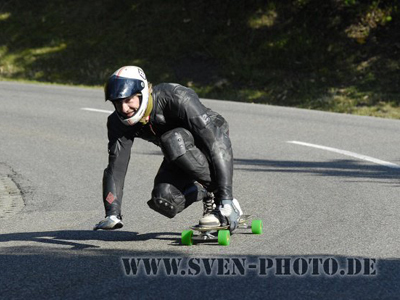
{"x":331,"y":215}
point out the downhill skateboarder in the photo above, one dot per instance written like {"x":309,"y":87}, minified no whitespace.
{"x":198,"y":160}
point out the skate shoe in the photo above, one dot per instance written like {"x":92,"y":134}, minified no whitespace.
{"x":109,"y":223}
{"x":228,"y":213}
{"x":232,"y":212}
{"x":210,"y":216}
{"x":212,"y":219}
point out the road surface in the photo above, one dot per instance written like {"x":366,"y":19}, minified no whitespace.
{"x":325,"y":185}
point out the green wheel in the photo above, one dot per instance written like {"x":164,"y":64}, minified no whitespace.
{"x":224,"y":237}
{"x":257,"y":227}
{"x":186,"y":237}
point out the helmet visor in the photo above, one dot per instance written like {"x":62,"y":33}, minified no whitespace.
{"x":120,"y":88}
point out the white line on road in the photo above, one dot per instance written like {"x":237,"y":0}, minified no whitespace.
{"x":97,"y":110}
{"x":348,"y":153}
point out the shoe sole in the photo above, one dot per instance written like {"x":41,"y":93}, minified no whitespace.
{"x":116,"y":226}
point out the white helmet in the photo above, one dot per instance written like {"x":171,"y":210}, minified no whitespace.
{"x":126,"y":82}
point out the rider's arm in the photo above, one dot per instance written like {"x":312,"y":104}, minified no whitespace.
{"x":119,"y":151}
{"x":214,"y":142}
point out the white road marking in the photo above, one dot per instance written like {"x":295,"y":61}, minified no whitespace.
{"x":97,"y":110}
{"x":348,"y":153}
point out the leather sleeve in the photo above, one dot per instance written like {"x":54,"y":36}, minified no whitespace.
{"x":119,"y":152}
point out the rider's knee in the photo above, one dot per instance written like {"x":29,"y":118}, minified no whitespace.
{"x":167,"y":200}
{"x":176,"y":143}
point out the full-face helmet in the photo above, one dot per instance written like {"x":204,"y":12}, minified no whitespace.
{"x":124,"y":83}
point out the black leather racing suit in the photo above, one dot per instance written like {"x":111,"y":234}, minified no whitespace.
{"x":177,"y":115}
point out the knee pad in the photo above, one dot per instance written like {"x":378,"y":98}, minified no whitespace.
{"x":176,"y":142}
{"x":167,"y":200}
{"x":178,"y":147}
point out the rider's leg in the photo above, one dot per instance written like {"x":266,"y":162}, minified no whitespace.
{"x":174,"y":191}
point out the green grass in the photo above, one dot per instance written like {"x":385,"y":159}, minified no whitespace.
{"x":335,"y":55}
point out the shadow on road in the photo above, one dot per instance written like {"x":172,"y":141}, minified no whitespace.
{"x":337,"y":168}
{"x":49,"y":272}
{"x":70,"y":237}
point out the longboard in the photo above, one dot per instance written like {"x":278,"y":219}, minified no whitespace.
{"x":220,"y":234}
